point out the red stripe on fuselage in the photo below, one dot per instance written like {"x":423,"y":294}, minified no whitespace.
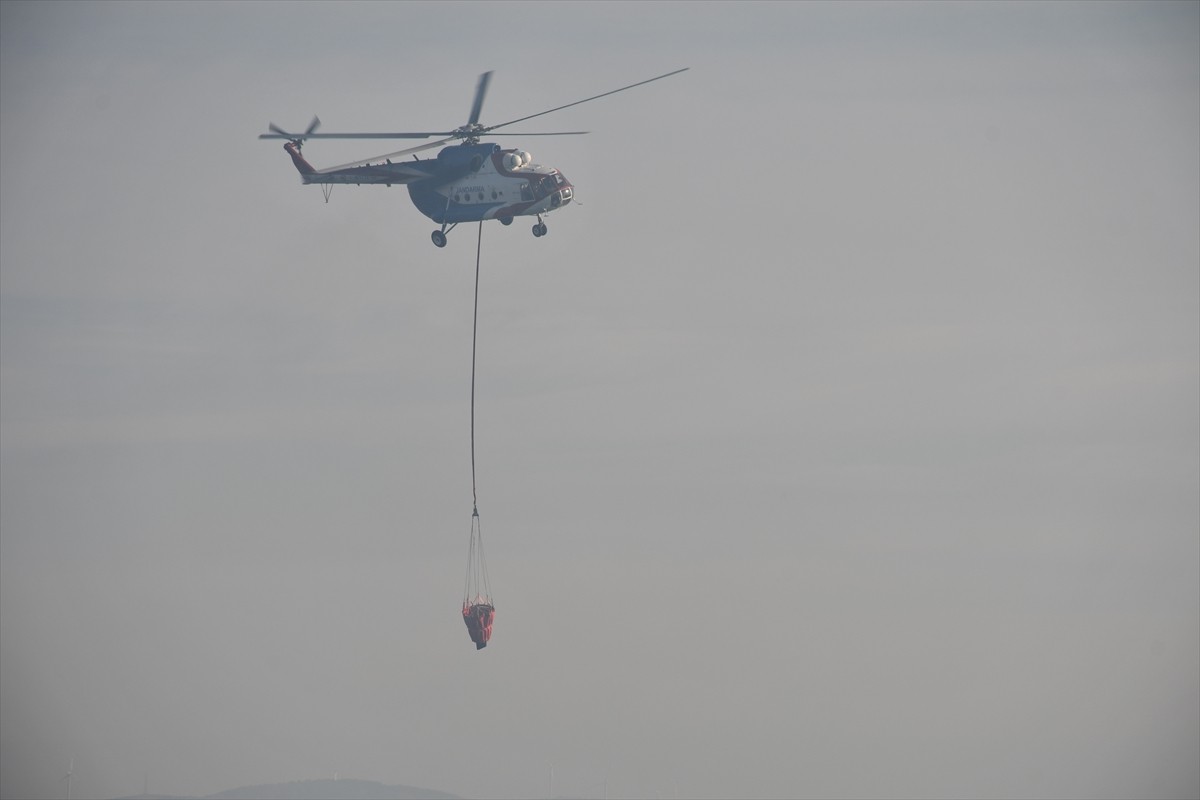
{"x":302,"y":166}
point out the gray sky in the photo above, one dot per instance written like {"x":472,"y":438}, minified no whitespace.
{"x":843,"y":442}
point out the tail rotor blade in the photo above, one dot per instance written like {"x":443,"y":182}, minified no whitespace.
{"x":280,"y":133}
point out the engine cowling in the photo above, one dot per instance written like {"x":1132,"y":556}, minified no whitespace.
{"x":455,"y":162}
{"x":517,"y":159}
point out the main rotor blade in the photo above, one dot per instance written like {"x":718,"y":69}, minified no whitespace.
{"x":480,"y":92}
{"x":476,"y":110}
{"x":587,"y":99}
{"x":277,"y":133}
{"x":396,"y":154}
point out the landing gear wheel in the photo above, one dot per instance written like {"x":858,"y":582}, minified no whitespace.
{"x":539,"y":229}
{"x":439,"y":238}
{"x":505,"y":220}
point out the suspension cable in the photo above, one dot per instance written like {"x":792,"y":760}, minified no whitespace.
{"x":477,"y":581}
{"x":474,"y":335}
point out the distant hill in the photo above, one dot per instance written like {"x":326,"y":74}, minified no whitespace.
{"x":317,"y":790}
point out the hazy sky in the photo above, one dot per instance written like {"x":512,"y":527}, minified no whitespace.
{"x":842,"y":442}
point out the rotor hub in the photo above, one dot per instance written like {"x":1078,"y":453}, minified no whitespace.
{"x":471,"y":132}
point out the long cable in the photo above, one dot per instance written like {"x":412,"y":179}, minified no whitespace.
{"x":474,"y":335}
{"x":476,"y":566}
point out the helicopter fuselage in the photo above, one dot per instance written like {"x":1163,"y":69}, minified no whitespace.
{"x":465,"y":183}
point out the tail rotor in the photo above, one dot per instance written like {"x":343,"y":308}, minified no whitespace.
{"x":296,"y":139}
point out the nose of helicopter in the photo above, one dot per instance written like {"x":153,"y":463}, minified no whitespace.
{"x":564,"y":191}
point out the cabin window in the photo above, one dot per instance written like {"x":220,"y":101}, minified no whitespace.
{"x":526,"y":192}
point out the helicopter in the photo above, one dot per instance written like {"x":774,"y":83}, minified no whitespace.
{"x":467,"y":182}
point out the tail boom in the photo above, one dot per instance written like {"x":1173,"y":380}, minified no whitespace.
{"x":302,"y":166}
